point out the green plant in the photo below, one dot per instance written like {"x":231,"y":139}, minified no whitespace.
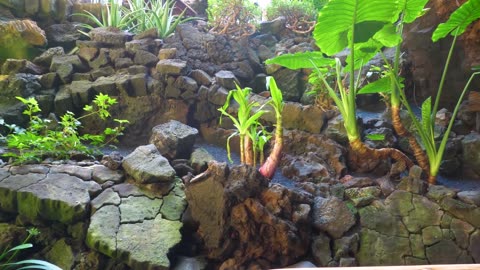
{"x":114,"y":14}
{"x":39,"y":140}
{"x":455,"y":26}
{"x":268,"y":168}
{"x":362,"y":27}
{"x":8,"y":256}
{"x":243,"y":122}
{"x":300,"y":15}
{"x":233,"y":17}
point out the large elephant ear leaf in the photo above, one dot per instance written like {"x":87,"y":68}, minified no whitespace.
{"x":412,"y":9}
{"x":334,"y":22}
{"x":459,"y":20}
{"x":302,"y":60}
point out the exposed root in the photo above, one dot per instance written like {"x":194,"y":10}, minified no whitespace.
{"x":418,"y":152}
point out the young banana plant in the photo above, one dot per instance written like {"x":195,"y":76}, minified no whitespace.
{"x":362,"y":27}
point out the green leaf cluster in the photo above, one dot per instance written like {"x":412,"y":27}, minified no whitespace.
{"x":292,"y":10}
{"x":137,"y":16}
{"x":42,"y":138}
{"x":8,"y":256}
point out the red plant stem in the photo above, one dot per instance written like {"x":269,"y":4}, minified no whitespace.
{"x":268,"y":168}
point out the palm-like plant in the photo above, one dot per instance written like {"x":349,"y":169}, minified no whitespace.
{"x":362,"y":27}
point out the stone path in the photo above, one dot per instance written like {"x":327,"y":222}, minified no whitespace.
{"x":136,"y":226}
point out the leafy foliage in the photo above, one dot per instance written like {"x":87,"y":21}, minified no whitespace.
{"x":300,"y":15}
{"x":40,"y":140}
{"x":459,"y":20}
{"x":138,"y":16}
{"x":8,"y":256}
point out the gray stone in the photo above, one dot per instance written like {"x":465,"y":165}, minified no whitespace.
{"x":217,"y":95}
{"x":348,"y":262}
{"x":201,"y":77}
{"x":107,"y":197}
{"x":346,"y":245}
{"x":186,"y":83}
{"x":437,"y":192}
{"x":58,"y":197}
{"x":381,"y":249}
{"x":431,"y":235}
{"x":61,"y":254}
{"x":110,"y":36}
{"x":471,"y":197}
{"x":63,"y":101}
{"x":106,"y":85}
{"x":58,"y":61}
{"x":138,"y":85}
{"x":321,"y":249}
{"x":335,"y":130}
{"x":145,"y":58}
{"x":138,"y":209}
{"x":425,"y":213}
{"x":381,"y":219}
{"x":146,"y":165}
{"x":471,"y":155}
{"x":102,"y":174}
{"x":49,"y":80}
{"x":45,"y":59}
{"x":474,"y":246}
{"x":461,"y":231}
{"x":13,"y":66}
{"x":172,"y":67}
{"x":146,"y":245}
{"x":64,"y":35}
{"x":362,"y":196}
{"x":174,"y":139}
{"x":443,"y":252}
{"x":102,"y":232}
{"x":290,"y":83}
{"x":85,"y":173}
{"x":461,"y":210}
{"x":9,"y":187}
{"x":102,"y":60}
{"x":226,"y":79}
{"x":173,"y":207}
{"x":20,"y":84}
{"x":123,"y":63}
{"x":82,"y":93}
{"x":332,"y":216}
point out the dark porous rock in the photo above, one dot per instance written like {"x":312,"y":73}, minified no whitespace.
{"x":103,"y":59}
{"x":82,"y":93}
{"x":12,"y":66}
{"x":64,"y":35}
{"x":472,"y":197}
{"x":274,"y":27}
{"x":49,"y":80}
{"x":45,"y":59}
{"x":332,"y":216}
{"x":146,"y":45}
{"x":186,"y":83}
{"x":146,"y":165}
{"x":356,"y":182}
{"x":226,"y":79}
{"x":149,"y":33}
{"x":111,"y":37}
{"x":290,"y":83}
{"x":362,"y":196}
{"x":59,"y":61}
{"x":21,"y":84}
{"x":217,"y":95}
{"x":138,"y":84}
{"x":63,"y":101}
{"x":145,"y":58}
{"x":383,"y":218}
{"x":471,"y":155}
{"x":174,"y":139}
{"x":321,"y":251}
{"x":113,"y":160}
{"x":123,"y":63}
{"x":102,"y":72}
{"x":106,"y":85}
{"x":414,"y":185}
{"x":172,"y":67}
{"x":201,"y":77}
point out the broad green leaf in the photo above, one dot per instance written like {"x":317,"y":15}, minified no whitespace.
{"x":375,"y":137}
{"x":427,"y":115}
{"x":388,"y":36}
{"x":334,"y":23}
{"x":302,"y":60}
{"x":382,"y":85}
{"x":412,"y":9}
{"x":459,"y":20}
{"x":364,"y":52}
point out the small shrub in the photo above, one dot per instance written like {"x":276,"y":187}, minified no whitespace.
{"x":40,"y":140}
{"x":233,"y":17}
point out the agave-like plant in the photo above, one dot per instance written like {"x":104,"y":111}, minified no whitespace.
{"x":362,"y":27}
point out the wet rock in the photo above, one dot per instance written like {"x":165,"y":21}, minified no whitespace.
{"x":332,"y":216}
{"x":146,"y":165}
{"x":472,"y":197}
{"x":174,"y":139}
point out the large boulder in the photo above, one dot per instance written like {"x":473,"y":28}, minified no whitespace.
{"x":174,"y":139}
{"x":18,"y":37}
{"x":146,"y":165}
{"x":332,"y":215}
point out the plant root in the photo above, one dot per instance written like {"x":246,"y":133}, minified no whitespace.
{"x":418,"y":152}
